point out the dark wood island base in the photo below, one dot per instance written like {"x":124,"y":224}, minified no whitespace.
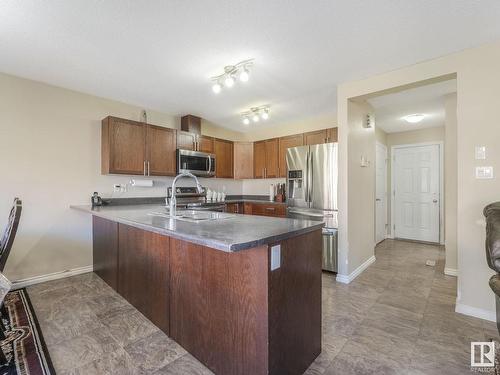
{"x":228,"y":309}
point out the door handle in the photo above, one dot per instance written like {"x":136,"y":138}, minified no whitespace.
{"x":434,"y":200}
{"x":378,"y":200}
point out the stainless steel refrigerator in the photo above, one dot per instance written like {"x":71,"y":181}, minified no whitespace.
{"x":312,"y":175}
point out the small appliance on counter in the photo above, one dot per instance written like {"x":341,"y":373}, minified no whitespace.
{"x":96,"y":200}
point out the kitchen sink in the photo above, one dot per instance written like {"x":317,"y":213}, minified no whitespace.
{"x":193,"y":215}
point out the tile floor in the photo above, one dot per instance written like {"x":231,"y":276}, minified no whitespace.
{"x":397,"y":317}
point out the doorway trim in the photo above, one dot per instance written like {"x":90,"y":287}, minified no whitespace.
{"x":387,"y":233}
{"x":441,"y":184}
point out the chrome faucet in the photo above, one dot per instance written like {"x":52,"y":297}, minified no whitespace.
{"x":173,"y":200}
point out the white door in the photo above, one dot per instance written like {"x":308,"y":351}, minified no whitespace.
{"x":416,"y":173}
{"x":380,"y":192}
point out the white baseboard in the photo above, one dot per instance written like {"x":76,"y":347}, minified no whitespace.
{"x":451,"y":271}
{"x":476,"y":312}
{"x":22,"y":283}
{"x":346,"y":279}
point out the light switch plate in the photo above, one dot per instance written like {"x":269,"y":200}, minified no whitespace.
{"x":484,"y":173}
{"x":480,"y":152}
{"x":275,"y":257}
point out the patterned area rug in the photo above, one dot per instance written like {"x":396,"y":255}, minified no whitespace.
{"x":23,"y":347}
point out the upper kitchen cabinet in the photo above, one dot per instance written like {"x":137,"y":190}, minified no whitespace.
{"x":266,"y":163}
{"x":160,"y":150}
{"x":206,"y":144}
{"x":331,"y":134}
{"x":243,"y":160}
{"x":223,"y":151}
{"x":191,"y":124}
{"x":320,"y":136}
{"x":316,"y":137}
{"x":187,"y":141}
{"x":134,"y":148}
{"x":284,"y":144}
{"x":123,"y":146}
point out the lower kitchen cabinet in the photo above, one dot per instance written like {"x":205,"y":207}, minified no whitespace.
{"x":144,"y":273}
{"x":234,"y":208}
{"x":263,"y":209}
{"x":105,"y":250}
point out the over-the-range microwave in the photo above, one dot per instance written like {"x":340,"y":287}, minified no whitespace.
{"x":198,"y":163}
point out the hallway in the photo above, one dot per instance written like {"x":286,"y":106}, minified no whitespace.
{"x":397,"y":317}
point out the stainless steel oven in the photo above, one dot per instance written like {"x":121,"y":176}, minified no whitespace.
{"x":196,"y":162}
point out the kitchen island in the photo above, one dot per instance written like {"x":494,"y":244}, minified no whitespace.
{"x":241,"y":293}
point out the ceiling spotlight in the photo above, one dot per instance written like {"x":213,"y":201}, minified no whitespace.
{"x":216,"y":87}
{"x":246,"y":120}
{"x":255,"y":118}
{"x":229,"y":81}
{"x":240,"y":70}
{"x":244,"y":75}
{"x":413,"y":119}
{"x":265,"y":114}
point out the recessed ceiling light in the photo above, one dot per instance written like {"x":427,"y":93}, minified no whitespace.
{"x":413,"y":119}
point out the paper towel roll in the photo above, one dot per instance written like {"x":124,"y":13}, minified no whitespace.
{"x":141,"y":183}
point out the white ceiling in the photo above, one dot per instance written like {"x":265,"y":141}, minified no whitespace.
{"x":161,"y":54}
{"x":391,"y":109}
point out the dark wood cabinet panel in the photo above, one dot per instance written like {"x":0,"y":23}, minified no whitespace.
{"x":332,"y":135}
{"x":190,"y":123}
{"x":224,"y":327}
{"x":295,"y":328}
{"x":235,"y":208}
{"x":316,"y":137}
{"x":272,"y":167}
{"x":186,"y":141}
{"x":123,"y":146}
{"x":161,"y":145}
{"x":259,"y":159}
{"x":247,"y":208}
{"x":224,"y":158}
{"x":268,"y":209}
{"x":206,"y":144}
{"x":243,"y":160}
{"x":284,"y":144}
{"x":105,"y":250}
{"x":144,"y":273}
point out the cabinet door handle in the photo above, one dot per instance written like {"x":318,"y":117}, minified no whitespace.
{"x":262,"y":172}
{"x":148,"y":168}
{"x":144,"y":168}
{"x":265,"y":172}
{"x":270,"y":208}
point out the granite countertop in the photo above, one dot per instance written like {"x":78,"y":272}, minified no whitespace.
{"x":235,"y":233}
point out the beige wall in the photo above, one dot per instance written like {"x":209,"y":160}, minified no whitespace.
{"x":361,"y":144}
{"x":50,"y":158}
{"x":478,"y":77}
{"x":213,"y":130}
{"x":450,"y":183}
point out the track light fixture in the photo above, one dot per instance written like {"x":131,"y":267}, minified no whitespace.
{"x":255,"y":114}
{"x":227,"y":79}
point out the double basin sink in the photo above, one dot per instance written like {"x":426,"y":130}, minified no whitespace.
{"x":193,"y":216}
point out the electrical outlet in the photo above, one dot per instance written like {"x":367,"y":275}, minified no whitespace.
{"x":275,"y":257}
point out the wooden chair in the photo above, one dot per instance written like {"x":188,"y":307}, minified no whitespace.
{"x":10,"y":232}
{"x":5,"y":246}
